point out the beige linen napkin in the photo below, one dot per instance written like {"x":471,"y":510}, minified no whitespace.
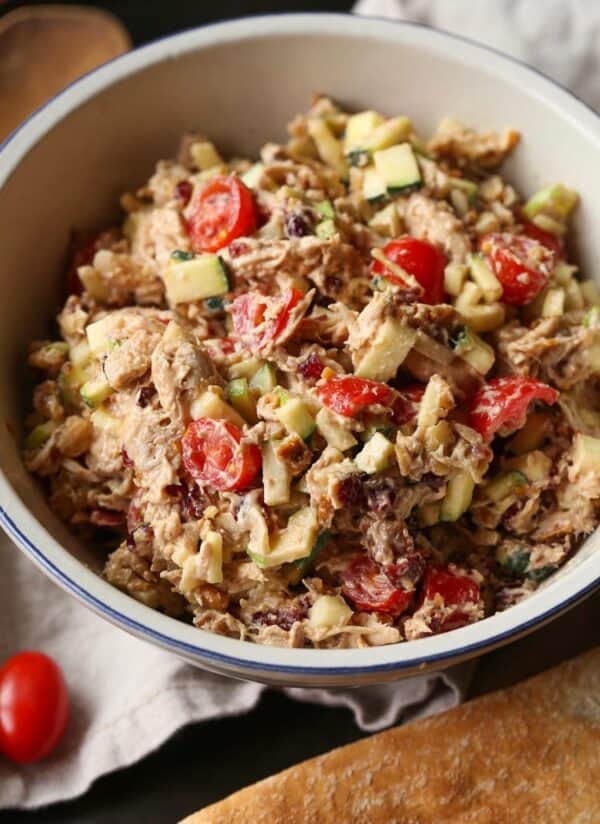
{"x":128,"y":697}
{"x":559,"y":37}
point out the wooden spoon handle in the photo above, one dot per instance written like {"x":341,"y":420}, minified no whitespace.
{"x":44,"y":48}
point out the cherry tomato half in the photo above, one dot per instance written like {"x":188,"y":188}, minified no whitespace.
{"x":259,"y":320}
{"x":521,"y":264}
{"x":502,"y":404}
{"x":547,"y":239}
{"x":34,"y":706}
{"x":222,"y":210}
{"x":214,"y":453}
{"x":456,"y":590}
{"x":424,"y":261}
{"x":369,"y":588}
{"x":348,"y":395}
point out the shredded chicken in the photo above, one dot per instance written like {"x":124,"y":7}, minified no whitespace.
{"x":434,"y":220}
{"x":293,"y":449}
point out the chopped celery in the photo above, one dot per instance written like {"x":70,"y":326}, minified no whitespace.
{"x":242,"y":400}
{"x":264,"y":380}
{"x":325,"y":209}
{"x":485,"y":278}
{"x":475,"y":351}
{"x":326,"y":229}
{"x":277,"y":477}
{"x":557,"y":200}
{"x":329,"y":611}
{"x":458,"y":496}
{"x":296,"y":417}
{"x":505,"y":484}
{"x":39,"y":435}
{"x":301,"y":567}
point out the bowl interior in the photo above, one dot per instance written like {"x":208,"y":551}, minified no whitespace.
{"x":239,"y":84}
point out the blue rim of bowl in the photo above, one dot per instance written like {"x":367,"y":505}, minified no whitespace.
{"x":199,"y":652}
{"x":165,"y":640}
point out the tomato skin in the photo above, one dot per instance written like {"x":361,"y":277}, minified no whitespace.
{"x":348,"y":395}
{"x":369,"y":588}
{"x":503,"y":402}
{"x":522,"y":265}
{"x":547,"y":239}
{"x":214,"y":453}
{"x":34,"y":707}
{"x":260,"y":320}
{"x":424,"y":261}
{"x":221,"y":211}
{"x":455,"y":590}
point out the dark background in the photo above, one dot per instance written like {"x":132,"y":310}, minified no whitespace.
{"x":148,"y":19}
{"x":205,"y":762}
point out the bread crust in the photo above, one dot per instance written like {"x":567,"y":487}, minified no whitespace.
{"x":528,"y":754}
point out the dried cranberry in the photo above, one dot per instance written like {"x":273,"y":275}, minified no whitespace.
{"x":350,"y":491}
{"x":408,"y":295}
{"x":381,"y":496}
{"x":125,"y":457}
{"x":237,"y":248}
{"x":333,"y":286}
{"x":189,"y":497}
{"x":311,"y":367}
{"x":134,"y":516}
{"x":409,"y":568}
{"x":296,"y":225}
{"x":143,"y":532}
{"x":136,"y":524}
{"x":284,"y":616}
{"x":183,"y":191}
{"x":193,"y":503}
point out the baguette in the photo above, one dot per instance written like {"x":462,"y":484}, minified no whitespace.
{"x":526,"y":755}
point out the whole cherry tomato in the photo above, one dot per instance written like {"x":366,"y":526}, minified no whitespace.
{"x":215,"y":453}
{"x":348,"y":395}
{"x":521,"y":264}
{"x":34,"y":706}
{"x":221,"y":211}
{"x":424,"y":261}
{"x":502,"y":404}
{"x":369,"y":588}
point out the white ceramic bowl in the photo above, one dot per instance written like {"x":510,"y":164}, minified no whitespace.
{"x":241,"y":82}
